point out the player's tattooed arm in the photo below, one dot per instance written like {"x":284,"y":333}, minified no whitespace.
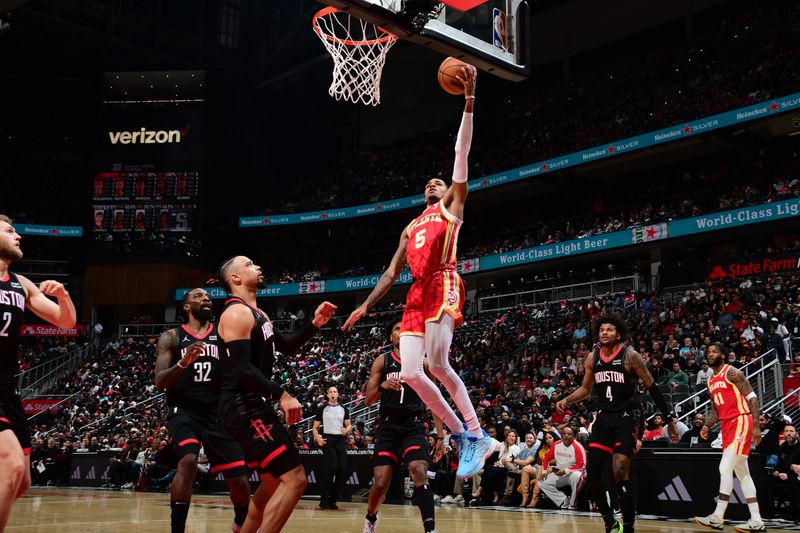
{"x":635,"y":363}
{"x":738,"y":378}
{"x":713,"y":416}
{"x":385,"y":282}
{"x":166,"y":374}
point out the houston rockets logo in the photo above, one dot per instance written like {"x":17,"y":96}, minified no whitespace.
{"x":262,"y":431}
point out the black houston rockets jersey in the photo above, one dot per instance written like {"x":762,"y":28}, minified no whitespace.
{"x":614,"y":387}
{"x":402,"y":403}
{"x":12,"y":308}
{"x":198,"y":387}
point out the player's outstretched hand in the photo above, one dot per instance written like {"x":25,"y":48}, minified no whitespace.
{"x":323,"y":313}
{"x":292,"y":410}
{"x":194,"y":351}
{"x":354,"y":317}
{"x":561,"y":406}
{"x":438,"y":450}
{"x":468,"y":77}
{"x":53,"y":288}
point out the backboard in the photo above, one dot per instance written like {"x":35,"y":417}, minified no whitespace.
{"x":492,"y":36}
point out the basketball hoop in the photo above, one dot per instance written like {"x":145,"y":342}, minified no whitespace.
{"x":358,"y":49}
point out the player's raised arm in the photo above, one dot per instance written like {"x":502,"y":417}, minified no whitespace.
{"x":289,"y":343}
{"x":384,"y":283}
{"x":584,"y":390}
{"x":457,"y":193}
{"x":61,"y":314}
{"x":635,"y":363}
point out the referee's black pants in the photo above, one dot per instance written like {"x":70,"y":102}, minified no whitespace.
{"x":334,"y":464}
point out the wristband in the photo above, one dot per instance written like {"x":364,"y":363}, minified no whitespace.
{"x":470,"y":97}
{"x":751,"y":395}
{"x":439,"y":438}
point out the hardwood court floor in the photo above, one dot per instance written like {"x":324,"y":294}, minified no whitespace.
{"x":49,"y":510}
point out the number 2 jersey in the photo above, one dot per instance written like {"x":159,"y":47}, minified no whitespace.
{"x":198,"y":388}
{"x":12,"y":309}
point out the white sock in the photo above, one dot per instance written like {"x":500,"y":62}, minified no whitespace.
{"x":438,"y":337}
{"x":755,"y":514}
{"x":719,"y":512}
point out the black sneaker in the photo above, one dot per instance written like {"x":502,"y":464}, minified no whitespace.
{"x":333,"y":507}
{"x":616,"y":527}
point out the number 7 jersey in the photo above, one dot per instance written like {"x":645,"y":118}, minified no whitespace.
{"x":198,"y":388}
{"x":432,"y":241}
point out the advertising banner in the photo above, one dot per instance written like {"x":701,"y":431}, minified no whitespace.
{"x":607,"y":241}
{"x":31,"y":407}
{"x":49,"y":231}
{"x":46,"y":330}
{"x":645,"y":140}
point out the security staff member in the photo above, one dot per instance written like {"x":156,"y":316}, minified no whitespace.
{"x":335,"y":422}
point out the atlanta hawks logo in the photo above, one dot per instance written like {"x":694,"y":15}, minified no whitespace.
{"x":452,"y":298}
{"x":739,"y":438}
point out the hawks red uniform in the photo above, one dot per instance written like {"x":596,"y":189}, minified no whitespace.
{"x":431,"y":254}
{"x":733,"y":411}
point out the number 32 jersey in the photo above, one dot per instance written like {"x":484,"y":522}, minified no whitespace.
{"x":198,"y":388}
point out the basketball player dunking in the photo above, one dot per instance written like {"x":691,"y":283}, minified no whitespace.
{"x":401,"y":435}
{"x":248,"y":392}
{"x":613,"y":371}
{"x":188,"y":368}
{"x":433,"y":305}
{"x":735,"y":405}
{"x":16,"y":294}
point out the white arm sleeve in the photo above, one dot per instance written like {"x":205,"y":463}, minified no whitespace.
{"x":463,"y":142}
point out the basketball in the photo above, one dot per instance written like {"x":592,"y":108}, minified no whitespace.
{"x":449,"y":71}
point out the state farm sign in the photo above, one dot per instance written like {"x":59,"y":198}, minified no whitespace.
{"x":766,"y":265}
{"x":46,"y":330}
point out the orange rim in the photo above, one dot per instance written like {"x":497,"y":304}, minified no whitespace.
{"x":324,"y":12}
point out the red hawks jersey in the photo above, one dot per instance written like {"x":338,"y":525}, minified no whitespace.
{"x":727,"y":399}
{"x":432,"y":239}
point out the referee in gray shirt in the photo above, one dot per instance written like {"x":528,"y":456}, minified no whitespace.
{"x":335,"y":422}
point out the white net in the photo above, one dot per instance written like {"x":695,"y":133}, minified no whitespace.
{"x":358,"y":49}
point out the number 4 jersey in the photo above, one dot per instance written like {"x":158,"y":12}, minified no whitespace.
{"x":198,"y":388}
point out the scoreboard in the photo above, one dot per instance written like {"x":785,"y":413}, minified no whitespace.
{"x":140,"y":201}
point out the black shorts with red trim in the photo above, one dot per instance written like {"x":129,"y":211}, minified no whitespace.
{"x":615,"y":432}
{"x":401,"y":440}
{"x":12,"y":416}
{"x":189,"y":429}
{"x":267,"y":446}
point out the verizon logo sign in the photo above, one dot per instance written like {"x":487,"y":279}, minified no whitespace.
{"x":145,"y":136}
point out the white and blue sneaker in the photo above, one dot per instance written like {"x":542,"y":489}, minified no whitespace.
{"x":472,"y":453}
